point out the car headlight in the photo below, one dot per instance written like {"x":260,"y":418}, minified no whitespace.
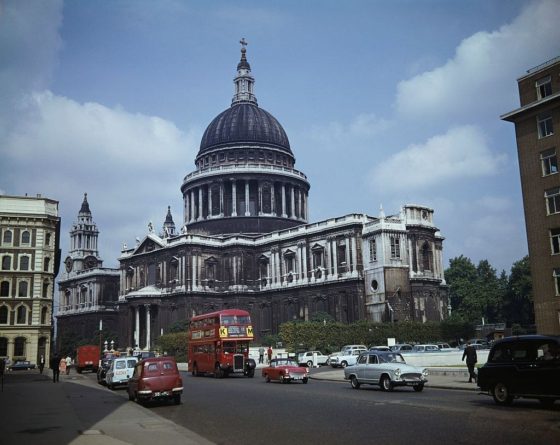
{"x":397,"y":373}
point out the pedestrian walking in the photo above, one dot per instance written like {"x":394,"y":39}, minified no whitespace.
{"x":68,"y":364}
{"x":55,"y":366}
{"x":269,"y":354}
{"x":261,"y":354}
{"x":62,"y":365}
{"x":41,"y":363}
{"x":470,"y":355}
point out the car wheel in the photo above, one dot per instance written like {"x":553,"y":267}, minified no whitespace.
{"x":309,"y":364}
{"x":354,"y":382}
{"x":177,"y":399}
{"x":386,"y":384}
{"x":501,"y":394}
{"x":418,"y":388}
{"x":304,"y":380}
{"x":267,"y":378}
{"x":344,"y":364}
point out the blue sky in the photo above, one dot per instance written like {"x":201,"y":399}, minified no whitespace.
{"x":384,"y":103}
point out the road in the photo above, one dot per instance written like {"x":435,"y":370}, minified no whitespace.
{"x":239,"y":410}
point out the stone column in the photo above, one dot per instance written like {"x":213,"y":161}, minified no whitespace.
{"x":148,"y":321}
{"x":209,"y":188}
{"x":292,"y":203}
{"x":259,"y":198}
{"x":305,"y":262}
{"x":193,"y":269}
{"x":221,"y":198}
{"x":354,"y":257}
{"x":347,"y":242}
{"x":284,"y":201}
{"x":193,"y":209}
{"x":334,"y":258}
{"x":272,"y":200}
{"x":272,"y":268}
{"x":200,"y":214}
{"x":137,"y":327}
{"x":247,"y":212}
{"x":186,"y":218}
{"x":233,"y":198}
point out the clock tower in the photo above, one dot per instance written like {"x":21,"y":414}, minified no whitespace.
{"x":83,"y":254}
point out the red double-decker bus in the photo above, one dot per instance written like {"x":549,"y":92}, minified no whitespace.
{"x":219,"y":343}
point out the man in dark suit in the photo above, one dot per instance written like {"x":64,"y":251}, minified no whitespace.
{"x":54,"y":364}
{"x":470,"y":354}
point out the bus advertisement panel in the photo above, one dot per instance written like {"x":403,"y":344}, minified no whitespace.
{"x":219,"y":343}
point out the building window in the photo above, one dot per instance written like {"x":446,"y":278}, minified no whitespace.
{"x":46,"y":264}
{"x":23,"y":288}
{"x":549,"y":162}
{"x":555,"y":241}
{"x":6,"y":262}
{"x":46,"y":289}
{"x":544,"y":123}
{"x":21,"y":316}
{"x":4,"y":316}
{"x":7,"y":238}
{"x":24,"y":263}
{"x":25,"y":237}
{"x":5,"y":289}
{"x":556,"y":276}
{"x":426,"y":257}
{"x":48,"y":239}
{"x":372,"y":250}
{"x":395,"y":247}
{"x":552,"y":197}
{"x":544,"y":87}
{"x":19,"y":347}
{"x":44,"y":313}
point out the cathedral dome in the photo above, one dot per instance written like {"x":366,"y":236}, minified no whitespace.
{"x":244,"y":123}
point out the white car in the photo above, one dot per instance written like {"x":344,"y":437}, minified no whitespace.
{"x":120,"y":371}
{"x":307,"y":358}
{"x":345,"y":358}
{"x":425,"y":348}
{"x":386,"y":369}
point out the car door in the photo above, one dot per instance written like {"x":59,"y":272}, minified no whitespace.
{"x":371,"y":374}
{"x":546,"y":368}
{"x":361,"y":368}
{"x":130,"y":364}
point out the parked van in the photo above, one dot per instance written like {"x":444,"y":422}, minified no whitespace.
{"x":120,"y":371}
{"x":156,"y":378}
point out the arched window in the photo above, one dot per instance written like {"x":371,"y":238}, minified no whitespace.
{"x":19,"y":347}
{"x":7,"y":237}
{"x":25,"y":237}
{"x":21,"y":316}
{"x":5,"y":289}
{"x":4,"y":313}
{"x":23,"y":289}
{"x":44,"y":312}
{"x":24,"y":263}
{"x":426,"y":257}
{"x":6,"y":262}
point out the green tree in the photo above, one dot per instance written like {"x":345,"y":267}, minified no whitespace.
{"x":518,"y":300}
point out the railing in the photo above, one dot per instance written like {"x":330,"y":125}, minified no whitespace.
{"x":543,"y":65}
{"x":244,"y":168}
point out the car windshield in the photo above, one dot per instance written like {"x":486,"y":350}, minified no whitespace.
{"x":391,"y":358}
{"x":284,"y":363}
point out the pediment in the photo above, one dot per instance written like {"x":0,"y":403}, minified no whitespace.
{"x":149,"y":244}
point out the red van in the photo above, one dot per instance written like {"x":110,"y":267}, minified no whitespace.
{"x":156,"y":378}
{"x":87,"y":358}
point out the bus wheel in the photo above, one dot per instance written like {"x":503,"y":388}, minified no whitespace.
{"x":251,"y":373}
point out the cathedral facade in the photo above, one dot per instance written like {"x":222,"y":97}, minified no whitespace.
{"x":245,"y":242}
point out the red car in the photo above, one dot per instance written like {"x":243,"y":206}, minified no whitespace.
{"x":285,"y":370}
{"x":156,"y":378}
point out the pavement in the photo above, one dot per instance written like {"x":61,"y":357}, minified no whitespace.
{"x":78,"y":411}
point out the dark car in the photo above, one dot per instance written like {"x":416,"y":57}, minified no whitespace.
{"x":524,"y":366}
{"x":22,"y":365}
{"x":104,"y":365}
{"x":156,"y":378}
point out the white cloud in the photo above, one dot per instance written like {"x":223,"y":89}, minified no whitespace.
{"x":129,"y":164}
{"x":460,"y":153}
{"x":478,"y":78}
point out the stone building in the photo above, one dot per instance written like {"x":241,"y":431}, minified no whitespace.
{"x":30,"y":257}
{"x":88,"y":292}
{"x":537,"y":124}
{"x":245,"y":242}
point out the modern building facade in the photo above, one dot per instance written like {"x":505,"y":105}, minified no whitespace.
{"x":245,"y":242}
{"x":30,"y":258}
{"x":88,"y":292}
{"x":537,"y":125}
